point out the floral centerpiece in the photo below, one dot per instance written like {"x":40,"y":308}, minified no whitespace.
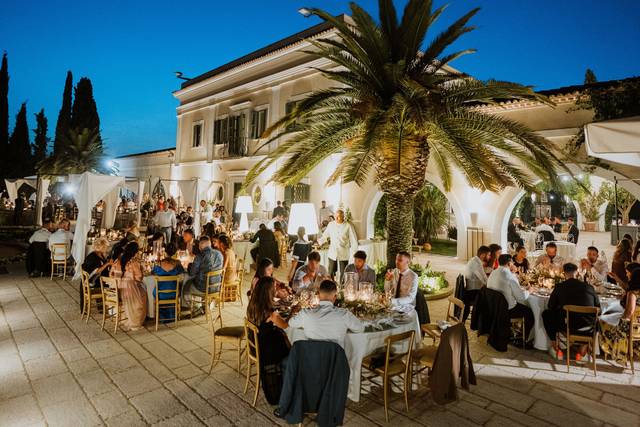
{"x":543,"y":276}
{"x":429,"y":280}
{"x":371,"y":309}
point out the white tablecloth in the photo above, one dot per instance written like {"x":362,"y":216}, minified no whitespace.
{"x":609,"y":309}
{"x":357,"y":346}
{"x":529,"y":238}
{"x":242,"y":249}
{"x":566,"y":250}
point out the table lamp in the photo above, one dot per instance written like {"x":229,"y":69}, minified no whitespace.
{"x":244,"y":207}
{"x":303,"y":215}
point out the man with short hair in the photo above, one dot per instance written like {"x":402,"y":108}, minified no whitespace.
{"x":550,"y":258}
{"x":504,"y":281}
{"x":311,"y":274}
{"x":475,"y":277}
{"x":593,"y":266}
{"x":570,"y":292}
{"x":557,"y":225}
{"x":495,"y":250}
{"x":360,"y":266}
{"x":324,"y":212}
{"x":574,"y":233}
{"x":278,"y":210}
{"x":402,"y":282}
{"x":342,"y":241}
{"x":512,"y":232}
{"x":206,"y":261}
{"x":326,"y":322}
{"x":166,"y":221}
{"x":62,"y":235}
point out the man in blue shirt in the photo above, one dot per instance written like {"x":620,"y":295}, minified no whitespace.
{"x":209,"y":259}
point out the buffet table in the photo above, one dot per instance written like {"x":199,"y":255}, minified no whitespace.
{"x":359,"y":345}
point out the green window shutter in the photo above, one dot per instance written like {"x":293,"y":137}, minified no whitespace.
{"x":253,"y":132}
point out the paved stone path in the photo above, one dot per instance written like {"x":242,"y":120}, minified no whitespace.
{"x":58,"y":370}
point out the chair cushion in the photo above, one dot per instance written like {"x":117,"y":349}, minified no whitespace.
{"x":425,"y":355}
{"x":230,"y":331}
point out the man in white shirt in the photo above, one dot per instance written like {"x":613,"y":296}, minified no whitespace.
{"x":545,"y":225}
{"x":165,"y":219}
{"x":311,"y":274}
{"x":342,"y":243}
{"x":504,"y":281}
{"x":550,"y":258}
{"x":475,"y":278}
{"x":327,"y":322}
{"x":402,"y":282}
{"x":324,"y":212}
{"x":62,"y":235}
{"x":593,"y":266}
{"x":204,"y":212}
{"x":42,"y":234}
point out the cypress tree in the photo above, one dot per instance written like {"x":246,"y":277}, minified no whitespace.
{"x":21,"y":161}
{"x":84,"y":113}
{"x":4,"y":113}
{"x":589,"y":76}
{"x":64,"y":116}
{"x":40,"y":140}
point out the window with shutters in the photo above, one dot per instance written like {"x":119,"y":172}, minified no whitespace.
{"x":258,"y":123}
{"x":288,"y":108}
{"x":196,"y":134}
{"x":220,"y":131}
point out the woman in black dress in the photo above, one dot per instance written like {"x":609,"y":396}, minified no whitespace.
{"x":96,"y":264}
{"x":267,"y":246}
{"x":272,"y":340}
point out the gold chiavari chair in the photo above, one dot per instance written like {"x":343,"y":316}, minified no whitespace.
{"x":110,"y":287}
{"x":433,"y":330}
{"x":88,"y":296}
{"x":208,"y":297}
{"x":59,"y":259}
{"x":233,"y":335}
{"x":173,"y":296}
{"x":253,"y":356}
{"x":573,"y":337}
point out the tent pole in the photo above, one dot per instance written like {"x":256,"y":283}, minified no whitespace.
{"x":615,"y":195}
{"x":38,"y":213}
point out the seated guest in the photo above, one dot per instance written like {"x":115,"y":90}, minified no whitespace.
{"x":272,"y":340}
{"x":62,"y":235}
{"x":360,"y":266}
{"x":311,"y":274}
{"x":503,"y":280}
{"x":38,"y":254}
{"x":265,"y":269}
{"x":96,"y":264}
{"x":573,"y":234}
{"x":494,"y":254}
{"x":167,"y":267}
{"x":557,"y":225}
{"x":402,"y":282}
{"x":301,"y":249}
{"x":475,"y":278}
{"x":593,"y":267}
{"x":133,"y":293}
{"x":520,"y":260}
{"x":544,"y":226}
{"x":133,"y":233}
{"x":326,"y":322}
{"x":157,"y":242}
{"x":512,"y":232}
{"x":206,"y":261}
{"x":570,"y":292}
{"x":185,"y":242}
{"x":614,"y":338}
{"x":550,"y":258}
{"x":230,"y":271}
{"x":621,"y":257}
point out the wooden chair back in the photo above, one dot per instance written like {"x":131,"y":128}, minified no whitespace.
{"x":574,"y":337}
{"x":110,"y":290}
{"x":175,"y":300}
{"x":59,"y":252}
{"x":251,"y":333}
{"x":86,"y":286}
{"x":453,"y":303}
{"x":394,"y":340}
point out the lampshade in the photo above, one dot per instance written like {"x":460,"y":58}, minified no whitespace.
{"x":303,"y":215}
{"x":244,"y":205}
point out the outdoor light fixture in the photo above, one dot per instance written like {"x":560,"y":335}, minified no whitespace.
{"x":68,"y":189}
{"x":303,"y":215}
{"x":244,"y":206}
{"x":180,"y":75}
{"x":304,"y":12}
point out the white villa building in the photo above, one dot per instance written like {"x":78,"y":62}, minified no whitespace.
{"x":223,"y":111}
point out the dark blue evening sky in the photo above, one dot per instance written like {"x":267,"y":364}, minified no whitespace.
{"x":130,"y":49}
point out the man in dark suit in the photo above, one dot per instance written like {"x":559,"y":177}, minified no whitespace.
{"x":279,"y":210}
{"x":570,"y":292}
{"x":573,"y":233}
{"x":512,"y":232}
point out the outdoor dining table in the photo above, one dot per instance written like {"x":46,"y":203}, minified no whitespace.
{"x":359,"y":345}
{"x":610,"y":311}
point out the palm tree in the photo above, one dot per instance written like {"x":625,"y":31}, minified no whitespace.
{"x":81,"y":152}
{"x":395,"y":107}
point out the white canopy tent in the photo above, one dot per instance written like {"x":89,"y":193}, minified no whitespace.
{"x":14,"y":184}
{"x":112,"y":199}
{"x":615,"y":140}
{"x":89,"y":188}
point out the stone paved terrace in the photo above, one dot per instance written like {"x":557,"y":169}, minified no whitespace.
{"x":58,"y":370}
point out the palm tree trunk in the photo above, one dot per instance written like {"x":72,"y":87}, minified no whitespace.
{"x":399,"y":224}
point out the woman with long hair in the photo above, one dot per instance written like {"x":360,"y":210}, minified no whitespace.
{"x":224,"y":245}
{"x":614,"y":339}
{"x":265,"y":269}
{"x":301,"y":249}
{"x":621,"y":257}
{"x":132,"y":291}
{"x":272,"y":340}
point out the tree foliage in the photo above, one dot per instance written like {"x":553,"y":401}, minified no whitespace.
{"x":395,"y":104}
{"x":81,"y":153}
{"x":4,"y":111}
{"x":84,"y":112}
{"x":20,"y":159}
{"x":40,"y":140}
{"x":626,"y":200}
{"x":63,"y":125}
{"x":429,"y":213}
